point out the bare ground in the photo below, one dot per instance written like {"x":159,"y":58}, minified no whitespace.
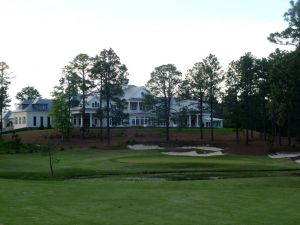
{"x":121,"y":137}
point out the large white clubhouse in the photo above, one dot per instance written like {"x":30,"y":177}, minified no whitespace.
{"x":36,"y":113}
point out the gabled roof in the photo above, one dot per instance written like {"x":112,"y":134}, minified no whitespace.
{"x":7,"y":115}
{"x":134,"y":92}
{"x":30,"y":105}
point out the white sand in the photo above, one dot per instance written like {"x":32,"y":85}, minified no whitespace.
{"x":194,"y":154}
{"x":205,"y":148}
{"x":144,"y":147}
{"x":281,"y":155}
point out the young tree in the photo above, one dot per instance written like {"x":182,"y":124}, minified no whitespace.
{"x":60,"y":114}
{"x":28,"y":93}
{"x":247,"y":69}
{"x":164,"y":83}
{"x":212,"y":70}
{"x":283,"y":87}
{"x":80,"y":67}
{"x":197,"y":87}
{"x":97,"y":77}
{"x":112,"y":76}
{"x":65,"y":97}
{"x":231,"y":99}
{"x":4,"y":97}
{"x":264,"y":80}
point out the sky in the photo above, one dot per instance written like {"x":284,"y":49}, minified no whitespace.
{"x":39,"y":37}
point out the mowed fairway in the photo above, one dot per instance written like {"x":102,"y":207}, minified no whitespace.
{"x":127,"y":187}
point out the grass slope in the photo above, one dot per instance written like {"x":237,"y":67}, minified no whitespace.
{"x":75,"y":164}
{"x":268,"y":201}
{"x":146,"y":187}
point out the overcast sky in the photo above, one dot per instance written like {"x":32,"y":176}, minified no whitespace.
{"x":39,"y":37}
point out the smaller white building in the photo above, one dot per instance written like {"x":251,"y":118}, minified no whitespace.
{"x":32,"y":114}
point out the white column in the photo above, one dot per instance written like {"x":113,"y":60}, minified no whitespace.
{"x":91,"y":120}
{"x":190,"y":121}
{"x":197,"y":120}
{"x":81,"y":120}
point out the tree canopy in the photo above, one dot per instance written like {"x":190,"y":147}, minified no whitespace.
{"x":28,"y":93}
{"x":163,"y":84}
{"x":290,"y":35}
{"x":4,"y":85}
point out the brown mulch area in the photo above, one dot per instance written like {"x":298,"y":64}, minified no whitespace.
{"x":123,"y":137}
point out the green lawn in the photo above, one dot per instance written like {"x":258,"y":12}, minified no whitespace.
{"x":120,"y":187}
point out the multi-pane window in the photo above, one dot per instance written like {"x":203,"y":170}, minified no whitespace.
{"x":24,"y":120}
{"x":133,"y":105}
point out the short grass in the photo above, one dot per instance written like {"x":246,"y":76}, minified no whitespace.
{"x":92,"y":163}
{"x":248,"y":201}
{"x":123,"y":187}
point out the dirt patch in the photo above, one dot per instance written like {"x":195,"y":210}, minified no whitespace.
{"x":121,"y":137}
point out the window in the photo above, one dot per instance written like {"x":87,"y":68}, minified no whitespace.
{"x":34,"y":121}
{"x":24,"y":120}
{"x":142,"y":107}
{"x":20,"y":120}
{"x":42,"y":121}
{"x":93,"y":105}
{"x":16,"y":120}
{"x":41,"y":107}
{"x":48,"y":122}
{"x":133,"y":105}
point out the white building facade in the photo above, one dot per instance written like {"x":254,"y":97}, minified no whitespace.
{"x":36,"y":113}
{"x":138,"y":116}
{"x":32,"y":114}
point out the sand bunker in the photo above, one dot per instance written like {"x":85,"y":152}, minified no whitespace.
{"x":205,"y":148}
{"x":144,"y":147}
{"x":281,"y":155}
{"x":194,"y":154}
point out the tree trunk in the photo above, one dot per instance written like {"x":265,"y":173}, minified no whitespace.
{"x":69,"y":114}
{"x":247,"y":120}
{"x":167,"y":111}
{"x":237,"y":133}
{"x":289,"y":129}
{"x":83,"y":106}
{"x":50,"y":161}
{"x":201,"y":116}
{"x":107,"y":113}
{"x":211,"y":116}
{"x":265,"y":120}
{"x":1,"y":119}
{"x":279,"y":135}
{"x":101,"y":112}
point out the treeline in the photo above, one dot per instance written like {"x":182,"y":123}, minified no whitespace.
{"x":256,"y":94}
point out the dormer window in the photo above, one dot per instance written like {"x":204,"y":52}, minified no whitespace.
{"x":133,"y":105}
{"x":40,"y":107}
